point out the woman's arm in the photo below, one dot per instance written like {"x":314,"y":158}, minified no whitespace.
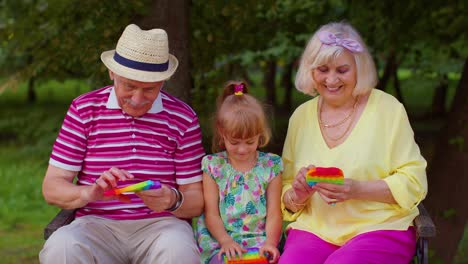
{"x":373,"y":191}
{"x":407,"y":180}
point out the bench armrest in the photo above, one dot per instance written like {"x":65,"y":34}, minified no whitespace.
{"x":423,"y":223}
{"x":64,"y":217}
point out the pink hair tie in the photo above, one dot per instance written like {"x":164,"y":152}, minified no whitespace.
{"x":331,"y":39}
{"x":239,"y":89}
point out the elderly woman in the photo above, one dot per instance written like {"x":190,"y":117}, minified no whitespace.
{"x":364,"y":132}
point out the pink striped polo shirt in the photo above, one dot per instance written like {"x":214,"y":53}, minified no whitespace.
{"x":164,"y":144}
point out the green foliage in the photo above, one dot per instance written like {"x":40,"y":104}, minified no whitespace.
{"x":55,"y":39}
{"x":266,"y":30}
{"x":462,"y":254}
{"x":449,"y":213}
{"x":459,"y":142}
{"x":27,"y":133}
{"x":426,"y":36}
{"x":46,"y":40}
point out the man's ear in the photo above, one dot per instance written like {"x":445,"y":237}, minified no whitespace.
{"x":111,"y":75}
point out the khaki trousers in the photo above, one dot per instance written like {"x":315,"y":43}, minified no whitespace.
{"x":92,"y":239}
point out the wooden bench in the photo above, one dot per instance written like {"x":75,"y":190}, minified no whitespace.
{"x":423,"y":223}
{"x":63,"y":218}
{"x":425,"y":230}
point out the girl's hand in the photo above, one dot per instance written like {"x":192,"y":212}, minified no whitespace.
{"x":231,"y":249}
{"x":271,"y":251}
{"x":302,"y":190}
{"x":333,"y":193}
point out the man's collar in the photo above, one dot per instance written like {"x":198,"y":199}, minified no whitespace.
{"x":112,"y":103}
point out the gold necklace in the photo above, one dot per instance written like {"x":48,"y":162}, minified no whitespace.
{"x":340,"y":122}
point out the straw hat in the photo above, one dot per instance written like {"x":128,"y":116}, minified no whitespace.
{"x":141,"y":55}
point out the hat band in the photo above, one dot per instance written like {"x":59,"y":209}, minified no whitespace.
{"x":142,"y":66}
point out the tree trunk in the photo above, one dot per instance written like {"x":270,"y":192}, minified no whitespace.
{"x":32,"y":97}
{"x":269,"y":83}
{"x":173,"y":16}
{"x":390,"y":63}
{"x":440,"y":97}
{"x":396,"y":83}
{"x":448,"y":178}
{"x":286,"y":82}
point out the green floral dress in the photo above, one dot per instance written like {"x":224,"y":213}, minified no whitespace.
{"x":242,"y":201}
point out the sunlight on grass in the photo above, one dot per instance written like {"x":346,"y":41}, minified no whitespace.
{"x":21,"y":244}
{"x":27,"y":133}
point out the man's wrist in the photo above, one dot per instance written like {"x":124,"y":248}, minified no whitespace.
{"x":178,"y":201}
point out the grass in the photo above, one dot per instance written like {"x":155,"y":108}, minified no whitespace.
{"x":27,"y":133}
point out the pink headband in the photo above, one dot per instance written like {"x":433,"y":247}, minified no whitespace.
{"x":239,"y":89}
{"x":331,"y":39}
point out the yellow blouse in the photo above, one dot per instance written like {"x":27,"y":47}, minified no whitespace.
{"x":380,"y":146}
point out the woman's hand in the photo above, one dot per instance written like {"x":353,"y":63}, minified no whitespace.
{"x":374,"y":190}
{"x":301,"y":189}
{"x":231,"y":249}
{"x":106,"y":181}
{"x":271,"y":251}
{"x":334,"y":193}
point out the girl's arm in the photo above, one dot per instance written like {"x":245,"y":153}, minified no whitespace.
{"x":274,"y":220}
{"x":214,"y":223}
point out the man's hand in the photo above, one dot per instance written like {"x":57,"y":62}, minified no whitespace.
{"x":158,"y":200}
{"x":106,"y":181}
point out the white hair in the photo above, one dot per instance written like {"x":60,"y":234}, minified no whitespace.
{"x":314,"y":56}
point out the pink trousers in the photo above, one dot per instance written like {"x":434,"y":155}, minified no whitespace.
{"x":380,"y":247}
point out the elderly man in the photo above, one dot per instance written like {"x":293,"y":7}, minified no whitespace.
{"x":122,"y":134}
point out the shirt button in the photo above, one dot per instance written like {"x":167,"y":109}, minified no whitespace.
{"x":133,"y":135}
{"x":134,"y":149}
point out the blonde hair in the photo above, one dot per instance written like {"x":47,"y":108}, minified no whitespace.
{"x":315,"y":55}
{"x":239,"y":116}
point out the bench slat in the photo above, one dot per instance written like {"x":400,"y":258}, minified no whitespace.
{"x":64,"y":217}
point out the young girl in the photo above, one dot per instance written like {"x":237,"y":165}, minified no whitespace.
{"x":241,"y":185}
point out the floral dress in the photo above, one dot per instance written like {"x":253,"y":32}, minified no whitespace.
{"x":242,"y":201}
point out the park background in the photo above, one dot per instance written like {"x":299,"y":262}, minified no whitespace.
{"x":49,"y":54}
